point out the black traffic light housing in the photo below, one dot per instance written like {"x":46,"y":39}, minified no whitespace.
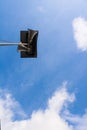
{"x":28,"y":46}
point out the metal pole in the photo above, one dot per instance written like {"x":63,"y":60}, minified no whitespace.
{"x":12,"y":44}
{"x":9,"y":44}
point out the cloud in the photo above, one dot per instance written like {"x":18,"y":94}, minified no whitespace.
{"x":56,"y":116}
{"x":82,"y":123}
{"x":77,"y":122}
{"x":80,"y":33}
{"x":9,"y":107}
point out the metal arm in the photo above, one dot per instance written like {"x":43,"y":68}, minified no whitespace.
{"x":21,"y":46}
{"x":12,"y":44}
{"x":9,"y":44}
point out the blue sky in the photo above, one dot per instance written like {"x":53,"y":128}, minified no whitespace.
{"x":52,"y":87}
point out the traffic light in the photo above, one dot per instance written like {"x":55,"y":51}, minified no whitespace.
{"x":28,"y":45}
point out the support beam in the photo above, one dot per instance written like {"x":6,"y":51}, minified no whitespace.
{"x":9,"y":44}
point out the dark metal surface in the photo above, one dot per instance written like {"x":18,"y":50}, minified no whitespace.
{"x":30,"y":49}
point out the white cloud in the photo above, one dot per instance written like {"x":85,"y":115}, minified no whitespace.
{"x":80,"y":33}
{"x":9,"y":108}
{"x":82,"y":123}
{"x":55,"y":117}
